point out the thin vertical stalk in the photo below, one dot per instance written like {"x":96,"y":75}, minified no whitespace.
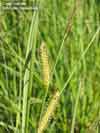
{"x":28,"y":76}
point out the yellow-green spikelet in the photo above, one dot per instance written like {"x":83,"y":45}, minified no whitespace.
{"x":45,"y":65}
{"x":49,"y":112}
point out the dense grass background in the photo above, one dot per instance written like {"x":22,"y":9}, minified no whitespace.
{"x":74,"y":60}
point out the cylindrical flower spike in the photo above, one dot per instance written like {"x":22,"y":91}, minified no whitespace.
{"x":49,"y":112}
{"x":45,"y":65}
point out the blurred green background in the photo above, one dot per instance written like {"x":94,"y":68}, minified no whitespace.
{"x":21,"y":34}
